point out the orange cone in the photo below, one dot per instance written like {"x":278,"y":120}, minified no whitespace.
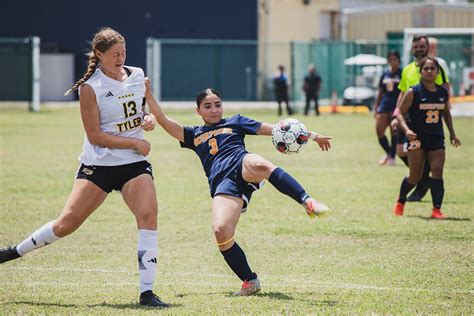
{"x":334,"y":102}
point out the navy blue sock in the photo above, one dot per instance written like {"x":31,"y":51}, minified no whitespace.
{"x":393,"y":146}
{"x":405,"y":160}
{"x":424,"y":184}
{"x":405,"y":188}
{"x":383,"y":141}
{"x":286,"y":184}
{"x":235,"y":258}
{"x":437,"y":192}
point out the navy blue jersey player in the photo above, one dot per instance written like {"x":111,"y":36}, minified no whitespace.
{"x":385,"y":105}
{"x":427,"y":105}
{"x":233,"y":173}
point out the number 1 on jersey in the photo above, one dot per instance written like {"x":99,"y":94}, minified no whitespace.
{"x":213,"y":144}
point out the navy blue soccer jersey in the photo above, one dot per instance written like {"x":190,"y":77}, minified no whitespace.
{"x":426,"y":111}
{"x":389,"y":85}
{"x":220,"y":147}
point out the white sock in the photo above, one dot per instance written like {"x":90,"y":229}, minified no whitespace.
{"x":147,"y":258}
{"x":42,"y":237}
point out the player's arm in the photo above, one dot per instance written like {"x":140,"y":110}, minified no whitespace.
{"x":265,"y":129}
{"x":448,"y":119}
{"x":405,"y":105}
{"x":171,"y":126}
{"x":91,"y":122}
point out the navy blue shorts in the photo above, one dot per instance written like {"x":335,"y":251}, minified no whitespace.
{"x":235,"y":185}
{"x":430,"y":142}
{"x":385,"y":107}
{"x":110,"y":178}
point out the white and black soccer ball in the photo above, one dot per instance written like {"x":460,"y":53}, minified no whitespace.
{"x":289,"y":135}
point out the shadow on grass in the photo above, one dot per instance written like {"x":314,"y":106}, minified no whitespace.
{"x":116,"y":306}
{"x":454,"y":219}
{"x":275,"y":295}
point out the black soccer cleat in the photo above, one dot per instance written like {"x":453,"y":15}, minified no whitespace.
{"x":148,"y":298}
{"x":9,"y":253}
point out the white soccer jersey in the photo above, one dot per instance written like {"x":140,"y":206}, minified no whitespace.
{"x":121,"y":114}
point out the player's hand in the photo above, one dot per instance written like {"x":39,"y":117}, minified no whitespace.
{"x":411,"y":135}
{"x":455,"y":141}
{"x":323,"y":142}
{"x":394,"y":124}
{"x":149,"y":122}
{"x":142,"y":146}
{"x":147,"y":85}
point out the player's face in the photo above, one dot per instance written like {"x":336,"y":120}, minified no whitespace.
{"x":429,"y":71}
{"x":210,"y":109}
{"x":420,"y":49}
{"x":113,"y":59}
{"x":394,"y":62}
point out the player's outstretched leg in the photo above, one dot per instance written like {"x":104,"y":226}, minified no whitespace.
{"x":288,"y":185}
{"x":40,"y":238}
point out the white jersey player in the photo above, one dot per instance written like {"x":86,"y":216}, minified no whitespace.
{"x":121,"y":111}
{"x":113,"y":157}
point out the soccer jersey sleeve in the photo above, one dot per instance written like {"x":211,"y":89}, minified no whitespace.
{"x":188,"y":138}
{"x":248,"y":125}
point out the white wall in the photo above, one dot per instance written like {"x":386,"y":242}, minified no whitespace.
{"x":57,"y":76}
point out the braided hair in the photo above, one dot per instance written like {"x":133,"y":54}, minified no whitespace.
{"x":102,"y":41}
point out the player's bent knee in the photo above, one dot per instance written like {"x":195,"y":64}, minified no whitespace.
{"x":261,"y":166}
{"x":223,"y":232}
{"x":65,"y":226}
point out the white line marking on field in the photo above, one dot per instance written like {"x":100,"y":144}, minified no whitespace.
{"x":307,"y":284}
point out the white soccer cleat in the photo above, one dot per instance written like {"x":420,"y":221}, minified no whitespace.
{"x":249,"y":288}
{"x":315,"y":208}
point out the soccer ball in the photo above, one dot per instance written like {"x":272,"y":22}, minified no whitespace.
{"x":289,"y":135}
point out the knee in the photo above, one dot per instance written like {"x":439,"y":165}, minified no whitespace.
{"x":147,"y":219}
{"x":414,"y":177}
{"x":66,"y":225}
{"x":262,"y":167}
{"x":222,"y":231}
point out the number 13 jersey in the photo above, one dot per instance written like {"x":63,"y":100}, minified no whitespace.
{"x":121,"y":111}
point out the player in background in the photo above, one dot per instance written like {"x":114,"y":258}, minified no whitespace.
{"x":280,"y":88}
{"x":411,"y":76}
{"x":385,"y":105}
{"x":233,"y":173}
{"x":433,"y":52}
{"x":113,"y":157}
{"x":311,"y":86}
{"x":427,"y":105}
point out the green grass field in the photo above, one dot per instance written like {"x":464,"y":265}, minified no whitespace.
{"x":359,"y":260}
